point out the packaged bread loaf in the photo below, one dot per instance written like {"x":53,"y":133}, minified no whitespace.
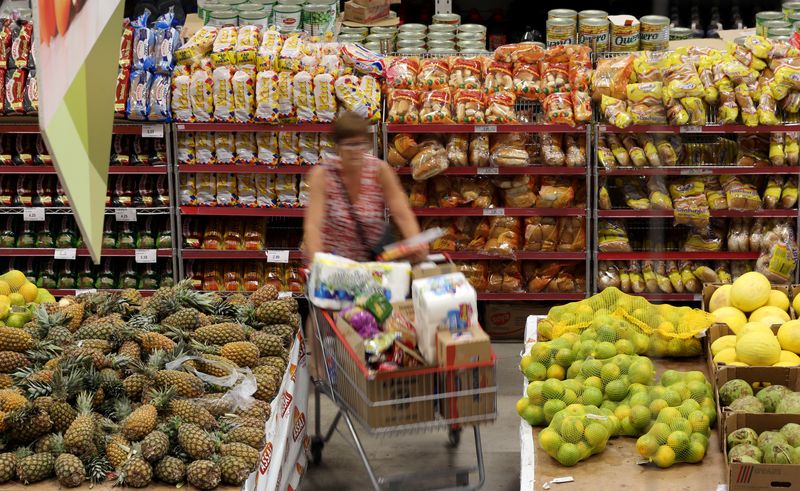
{"x":504,"y":277}
{"x":470,"y":107}
{"x":465,"y":73}
{"x":429,"y":162}
{"x":555,"y":192}
{"x":526,"y":81}
{"x":434,"y":74}
{"x":457,"y":149}
{"x":267,"y":103}
{"x":504,"y":235}
{"x":403,"y":106}
{"x":789,"y":194}
{"x":613,"y":237}
{"x":541,"y":234}
{"x":550,"y":144}
{"x":500,"y":107}
{"x":508,"y":150}
{"x":436,"y":107}
{"x":479,"y":150}
{"x":402,"y":73}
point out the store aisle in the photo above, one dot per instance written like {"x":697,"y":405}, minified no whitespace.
{"x":341,"y":469}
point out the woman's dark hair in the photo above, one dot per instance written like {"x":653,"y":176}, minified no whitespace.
{"x":349,"y":125}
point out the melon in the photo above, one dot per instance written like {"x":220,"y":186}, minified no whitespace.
{"x":723,"y":342}
{"x":768,"y":312}
{"x":726,"y":356}
{"x":750,"y":291}
{"x":778,"y":299}
{"x":720,"y":298}
{"x":731,"y":316}
{"x":753,"y":326}
{"x":758,"y":348}
{"x":788,"y":356}
{"x":789,"y":336}
{"x":796,"y":304}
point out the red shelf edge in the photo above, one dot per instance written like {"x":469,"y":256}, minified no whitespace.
{"x":223,"y":254}
{"x":676,"y":256}
{"x":45,"y":252}
{"x":471,"y":128}
{"x":517,"y":256}
{"x":480,"y":212}
{"x":508,"y":171}
{"x":712,"y":128}
{"x":245,"y":169}
{"x":697,"y":170}
{"x":624,"y":213}
{"x":545,"y":297}
{"x":241,"y":212}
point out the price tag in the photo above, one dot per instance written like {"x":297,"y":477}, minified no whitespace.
{"x":696,"y":172}
{"x":494,"y":212}
{"x":153,"y":131}
{"x":145,"y":256}
{"x":86,"y":290}
{"x":691,"y":129}
{"x":67,"y":254}
{"x":33,"y":214}
{"x":285,"y":295}
{"x":125,"y":214}
{"x":485,"y":128}
{"x":278,"y":257}
{"x":488,"y":171}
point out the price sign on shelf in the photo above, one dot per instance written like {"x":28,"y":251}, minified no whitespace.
{"x":153,"y":131}
{"x":278,"y":257}
{"x":488,"y":171}
{"x":696,"y":172}
{"x":494,"y":212}
{"x":485,"y":128}
{"x":145,"y":256}
{"x":85,"y":290}
{"x":691,"y":129}
{"x":285,"y":295}
{"x":33,"y":214}
{"x":66,"y":254}
{"x":125,"y":214}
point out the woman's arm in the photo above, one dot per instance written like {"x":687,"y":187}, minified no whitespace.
{"x":397,"y":202}
{"x":315,"y":213}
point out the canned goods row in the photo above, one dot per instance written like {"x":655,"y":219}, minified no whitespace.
{"x":595,"y":28}
{"x":315,"y":18}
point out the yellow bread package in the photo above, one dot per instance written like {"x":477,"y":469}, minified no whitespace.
{"x":645,"y":93}
{"x":604,"y":154}
{"x":758,"y":45}
{"x":681,"y":79}
{"x":647,"y":142}
{"x":748,"y":109}
{"x":615,"y":111}
{"x":269,"y":50}
{"x":777,"y":155}
{"x":198,"y":46}
{"x":618,"y":149}
{"x":696,"y":109}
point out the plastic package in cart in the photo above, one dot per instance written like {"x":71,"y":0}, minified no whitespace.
{"x":267,"y":101}
{"x":224,"y":146}
{"x":288,"y":143}
{"x":244,"y":95}
{"x":267,"y":143}
{"x":185,"y":148}
{"x":223,"y":93}
{"x":246,"y":149}
{"x":303,"y":95}
{"x":204,"y":147}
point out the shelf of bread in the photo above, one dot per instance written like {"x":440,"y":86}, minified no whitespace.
{"x":707,"y":128}
{"x":627,"y":213}
{"x":676,"y":256}
{"x":50,"y":252}
{"x":708,"y":170}
{"x":483,"y":128}
{"x":534,"y":170}
{"x":257,"y":127}
{"x":241,"y":212}
{"x":517,"y":256}
{"x":500,"y":212}
{"x":272,"y":255}
{"x":245,"y":169}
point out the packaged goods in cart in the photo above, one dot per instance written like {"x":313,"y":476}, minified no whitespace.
{"x":335,"y":282}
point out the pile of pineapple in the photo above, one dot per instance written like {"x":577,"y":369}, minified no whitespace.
{"x":85,"y":394}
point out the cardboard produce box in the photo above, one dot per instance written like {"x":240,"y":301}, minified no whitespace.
{"x":360,"y":13}
{"x":710,"y":288}
{"x":476,"y":384}
{"x":758,"y":376}
{"x":715,"y":332}
{"x":505,"y":320}
{"x":759,"y":477}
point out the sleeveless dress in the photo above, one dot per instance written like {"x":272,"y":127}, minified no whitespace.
{"x":340,"y":234}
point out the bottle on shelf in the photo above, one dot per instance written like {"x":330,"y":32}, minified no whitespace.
{"x":109,"y":234}
{"x":47,"y":275}
{"x":66,"y":275}
{"x":44,"y":237}
{"x":8,"y":234}
{"x":86,"y":275}
{"x":27,"y":238}
{"x":126,"y":239}
{"x":145,"y":239}
{"x":105,"y":276}
{"x":66,"y":233}
{"x":128,"y":277}
{"x":167,"y":276}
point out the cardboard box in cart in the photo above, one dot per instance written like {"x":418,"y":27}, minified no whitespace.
{"x":459,"y":349}
{"x":760,"y":477}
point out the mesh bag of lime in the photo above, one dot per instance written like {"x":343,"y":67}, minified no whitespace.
{"x":629,"y":324}
{"x":576,"y":433}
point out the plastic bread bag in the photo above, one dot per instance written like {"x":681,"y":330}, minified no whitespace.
{"x":204,"y":147}
{"x":198,"y":45}
{"x":604,"y":154}
{"x":159,"y":107}
{"x":689,"y":280}
{"x":434,"y":74}
{"x":575,"y":150}
{"x":691,"y":210}
{"x":526,"y":81}
{"x":224,"y":146}
{"x":246,"y":190}
{"x":556,"y":193}
{"x":658,"y":193}
{"x":327,"y":147}
{"x":188,"y":189}
{"x":696,"y":109}
{"x":571,"y":234}
{"x":417,"y":193}
{"x":402,"y":73}
{"x":286,"y":109}
{"x":636,"y":153}
{"x":182,"y":94}
{"x":746,"y":106}
{"x":429,"y":162}
{"x":791,"y":103}
{"x":509,"y":150}
{"x":269,"y":49}
{"x":722,"y":271}
{"x":772,"y":192}
{"x":347,"y":89}
{"x":458,"y":149}
{"x":767,"y":108}
{"x":505,"y":234}
{"x":286,"y":190}
{"x":741,"y":195}
{"x":244,"y":95}
{"x":309,"y":148}
{"x":143,"y":43}
{"x":246,"y":148}
{"x":288,"y":145}
{"x":362,"y":59}
{"x":714,"y":193}
{"x":777,"y":156}
{"x":607,"y":276}
{"x":304,"y":193}
{"x":705,"y":70}
{"x":580,"y":73}
{"x":505,"y":277}
{"x":267,"y":103}
{"x":666,"y":152}
{"x":265,"y":191}
{"x":649,"y":277}
{"x":248,"y":41}
{"x":403,"y":106}
{"x":618,"y":150}
{"x":303,"y":97}
{"x":541,"y":234}
{"x":703,"y":240}
{"x":479,"y":155}
{"x":519,"y":53}
{"x":613,"y":237}
{"x":184,"y":151}
{"x":738,"y":241}
{"x":555,"y":78}
{"x":436,"y":107}
{"x":728,"y":109}
{"x":756,"y":235}
{"x":267,"y":144}
{"x":558,"y":109}
{"x":206,"y":189}
{"x":611,"y":77}
{"x":550,"y":145}
{"x":603,"y":198}
{"x":581,"y":106}
{"x":643,"y":114}
{"x":138,"y":99}
{"x":223,"y":52}
{"x":324,"y":97}
{"x":677,"y":114}
{"x":649,"y":93}
{"x":791,"y":148}
{"x":223,"y":94}
{"x":444,"y":192}
{"x":470,"y":106}
{"x":370,"y":90}
{"x":291,"y":53}
{"x":648,"y":144}
{"x":788,"y":194}
{"x":466,"y":73}
{"x":633,"y":193}
{"x":616,"y":112}
{"x":520,"y":196}
{"x":499,"y":77}
{"x":779,"y":252}
{"x":121,"y":94}
{"x":201,"y":91}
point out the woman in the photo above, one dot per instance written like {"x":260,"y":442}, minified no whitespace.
{"x":345,"y":214}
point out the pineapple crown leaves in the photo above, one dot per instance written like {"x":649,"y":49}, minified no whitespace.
{"x":56,"y":443}
{"x":98,"y":470}
{"x":161,"y":397}
{"x":121,"y":409}
{"x":44,"y":351}
{"x":204,"y":348}
{"x":176,"y":334}
{"x":23,"y":452}
{"x":47,"y":320}
{"x":83,"y":403}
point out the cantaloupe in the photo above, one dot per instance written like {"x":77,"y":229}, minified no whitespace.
{"x":731,"y":316}
{"x":778,"y":299}
{"x":750,"y":291}
{"x":720,"y":298}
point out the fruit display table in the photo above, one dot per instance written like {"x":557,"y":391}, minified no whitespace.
{"x":616,"y":467}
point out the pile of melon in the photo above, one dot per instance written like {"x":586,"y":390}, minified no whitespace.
{"x":17,"y":298}
{"x":751,"y":307}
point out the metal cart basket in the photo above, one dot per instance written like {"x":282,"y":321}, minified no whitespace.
{"x":401,"y":401}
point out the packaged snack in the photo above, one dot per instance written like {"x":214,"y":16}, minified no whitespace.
{"x":772,"y":192}
{"x":403,"y":106}
{"x":159,"y":98}
{"x":558,"y":109}
{"x":267,"y":143}
{"x":166,"y":39}
{"x":714,"y":194}
{"x":776,"y":149}
{"x":143,"y":43}
{"x":575,"y":150}
{"x":741,"y":195}
{"x":246,"y":148}
{"x":466,"y":73}
{"x":206,"y":185}
{"x":327,"y":147}
{"x":181,"y":94}
{"x":479,"y":150}
{"x":224,"y":146}
{"x":370,"y":91}
{"x":696,"y":109}
{"x":304,"y":194}
{"x":611,"y":78}
{"x":429,"y":162}
{"x":246,"y":190}
{"x":244,"y":95}
{"x":504,"y":235}
{"x":288,"y":143}
{"x":223,"y":93}
{"x":201,"y":91}
{"x":270,"y":48}
{"x":120,"y":94}
{"x":519,"y":53}
{"x":362,"y":59}
{"x":555,"y":192}
{"x":125,"y":45}
{"x":347,"y":89}
{"x":521,"y":196}
{"x":613,"y":237}
{"x":31,"y":95}
{"x":247,"y":43}
{"x":324,"y":97}
{"x":508,"y":150}
{"x":648,"y":144}
{"x":788,"y":195}
{"x":552,"y":154}
{"x":581,"y":106}
{"x":604,"y":154}
{"x":223,"y":52}
{"x":636,"y":153}
{"x":286,"y":190}
{"x":436,"y":107}
{"x":469,"y":106}
{"x":791,"y":148}
{"x":615,"y":112}
{"x":188,"y":190}
{"x":137,"y":101}
{"x":286,"y":109}
{"x":265,"y":190}
{"x":402,"y":73}
{"x":527,"y":81}
{"x":303,"y":95}
{"x":580,"y":74}
{"x":226,"y":189}
{"x":197,"y":46}
{"x":267,"y":102}
{"x":433,"y":74}
{"x":555,"y":78}
{"x":309,"y":148}
{"x":457,"y":149}
{"x":185,"y":148}
{"x":204,"y":147}
{"x":748,"y":109}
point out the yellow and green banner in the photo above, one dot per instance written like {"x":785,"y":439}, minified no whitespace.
{"x":78,"y":57}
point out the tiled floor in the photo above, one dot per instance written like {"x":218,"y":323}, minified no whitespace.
{"x":341,"y":469}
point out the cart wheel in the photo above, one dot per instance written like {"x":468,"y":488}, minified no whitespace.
{"x":317,"y":444}
{"x":454,"y":437}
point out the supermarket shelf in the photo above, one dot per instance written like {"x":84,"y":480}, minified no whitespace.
{"x":245,"y":169}
{"x":215,"y":254}
{"x":44,"y":252}
{"x":257,"y":127}
{"x":532,"y":297}
{"x":506,"y":171}
{"x":670,"y":297}
{"x":697,"y":171}
{"x":624,"y":213}
{"x":137,"y":127}
{"x":517,"y":256}
{"x":71,"y":291}
{"x":495,"y":212}
{"x":711,"y":128}
{"x":484,"y":128}
{"x":18,"y":210}
{"x":676,"y":256}
{"x":115,"y":169}
{"x":241,"y":212}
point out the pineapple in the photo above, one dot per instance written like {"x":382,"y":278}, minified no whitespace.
{"x":248,"y":435}
{"x":285,"y":331}
{"x":203,"y":474}
{"x":131,"y":296}
{"x":186,"y":384}
{"x":268,"y":344}
{"x":35,"y":468}
{"x":269,"y":370}
{"x":102,"y":328}
{"x":14,"y":339}
{"x":215,"y":365}
{"x":266,"y":293}
{"x":151,"y":341}
{"x":11,"y":361}
{"x":134,"y":385}
{"x":97,"y":470}
{"x":117,"y":450}
{"x":135,"y":472}
{"x":28,"y":423}
{"x":130,"y":350}
{"x":243,"y":452}
{"x":259,"y":409}
{"x":185,"y":319}
{"x":274,"y":312}
{"x":80,"y":436}
{"x":278,"y":362}
{"x":163,"y":303}
{"x":101,"y":345}
{"x":219,"y":334}
{"x":8,"y":464}
{"x":197,"y":443}
{"x":98,"y":358}
{"x":155,"y":446}
{"x":62,"y":388}
{"x":69,"y":470}
{"x":234,"y":470}
{"x":243,"y":353}
{"x":170,"y":470}
{"x":267,"y":387}
{"x":144,"y":419}
{"x":191,"y":412}
{"x":55,"y":325}
{"x":73,"y":314}
{"x":11,"y":400}
{"x":6,"y":381}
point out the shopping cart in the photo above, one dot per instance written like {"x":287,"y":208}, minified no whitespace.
{"x":402,"y":401}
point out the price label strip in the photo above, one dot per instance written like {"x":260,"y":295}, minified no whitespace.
{"x":66,"y":254}
{"x":281,"y":257}
{"x":488,"y":171}
{"x":125,"y":214}
{"x":285,"y":295}
{"x":85,"y":290}
{"x":33,"y":214}
{"x":153,"y":131}
{"x":494,"y":212}
{"x":146,"y":256}
{"x":485,"y":128}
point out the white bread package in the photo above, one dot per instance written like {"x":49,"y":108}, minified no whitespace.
{"x":335,"y":281}
{"x":442,"y":302}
